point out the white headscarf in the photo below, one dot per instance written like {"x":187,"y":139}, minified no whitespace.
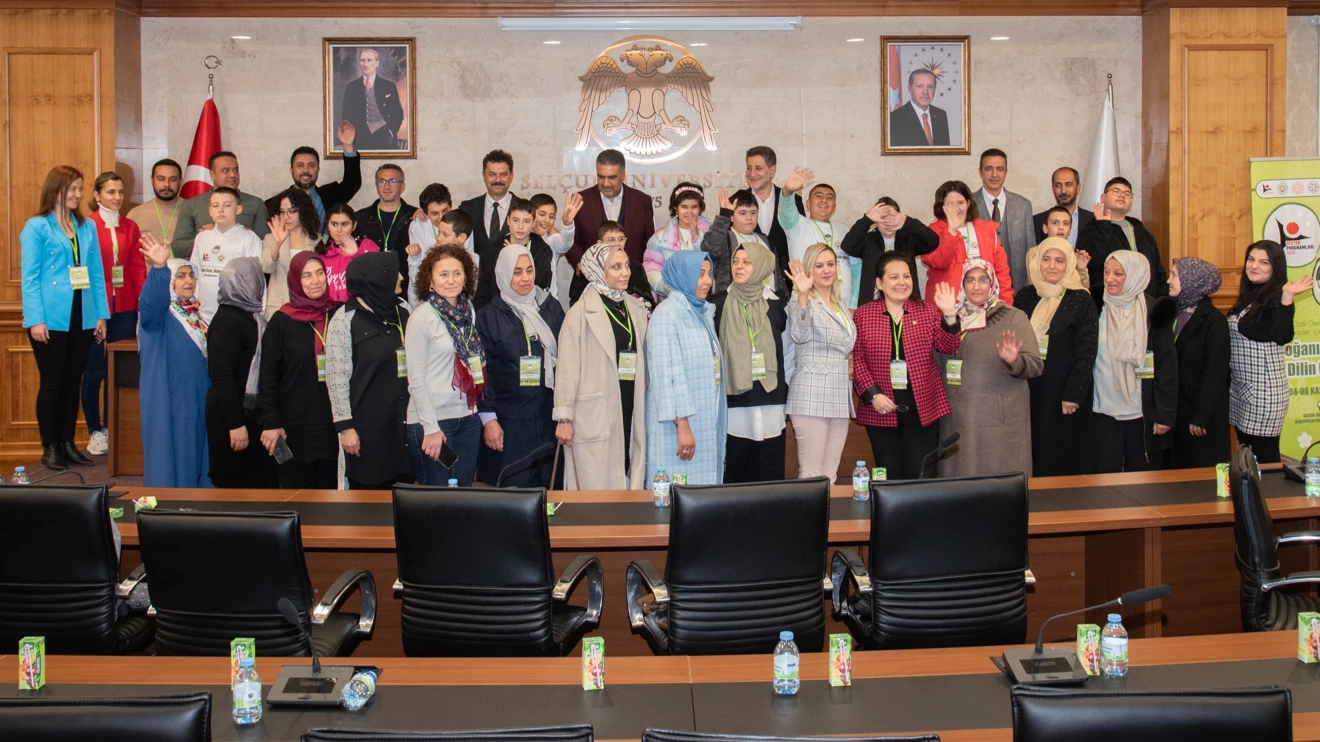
{"x":1125,"y":319}
{"x":528,"y":307}
{"x":973,"y":315}
{"x":187,"y":314}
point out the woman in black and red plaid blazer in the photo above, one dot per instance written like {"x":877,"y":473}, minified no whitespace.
{"x":903,"y":424}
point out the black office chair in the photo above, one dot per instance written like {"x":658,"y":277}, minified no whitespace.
{"x":948,"y":565}
{"x":182,"y":718}
{"x":1261,"y":714}
{"x":1263,"y":607}
{"x":218,"y":576}
{"x":664,"y":735}
{"x":578,"y":733}
{"x":477,"y":579}
{"x":59,"y":574}
{"x":745,"y":562}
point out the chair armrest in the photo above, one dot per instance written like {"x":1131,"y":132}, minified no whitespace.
{"x":359,"y":580}
{"x":398,"y":586}
{"x":643,"y":577}
{"x":1031,"y":578}
{"x":123,"y":589}
{"x":847,"y":564}
{"x":588,"y":566}
{"x":1299,"y":537}
{"x":1296,"y":578}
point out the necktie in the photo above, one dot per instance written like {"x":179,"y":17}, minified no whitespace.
{"x":994,"y":214}
{"x":494,"y":231}
{"x":925,"y":126}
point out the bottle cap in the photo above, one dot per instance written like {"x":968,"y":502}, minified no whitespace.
{"x":453,"y":481}
{"x":660,"y":470}
{"x":785,"y":636}
{"x":1313,"y":460}
{"x":1115,"y":618}
{"x":247,"y":662}
{"x":20,"y":469}
{"x":861,"y":463}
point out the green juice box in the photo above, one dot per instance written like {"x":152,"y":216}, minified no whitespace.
{"x":593,"y":663}
{"x":1308,"y":637}
{"x":879,"y":474}
{"x":680,"y":477}
{"x":840,"y":660}
{"x":1088,"y":647}
{"x":238,"y":649}
{"x":31,"y":662}
{"x":1221,"y":480}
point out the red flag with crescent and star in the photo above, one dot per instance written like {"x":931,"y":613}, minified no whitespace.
{"x":206,"y":142}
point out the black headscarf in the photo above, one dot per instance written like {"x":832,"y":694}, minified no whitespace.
{"x":371,"y":279}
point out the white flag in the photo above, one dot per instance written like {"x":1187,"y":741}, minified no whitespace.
{"x":1104,"y":157}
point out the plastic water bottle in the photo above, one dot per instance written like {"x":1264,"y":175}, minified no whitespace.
{"x":787,"y":680}
{"x":453,"y":483}
{"x":359,"y":690}
{"x":1114,"y":648}
{"x":247,"y":692}
{"x":660,"y":488}
{"x":20,"y":476}
{"x":861,"y":482}
{"x":1313,"y":477}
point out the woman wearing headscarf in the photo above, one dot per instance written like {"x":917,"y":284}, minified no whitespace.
{"x":986,"y":381}
{"x":1064,"y":317}
{"x":233,"y":341}
{"x":518,"y":329}
{"x":173,"y":382}
{"x":685,"y":407}
{"x":751,"y":322}
{"x":1200,"y":336}
{"x":292,"y":397}
{"x":600,"y":378}
{"x":1136,"y":370}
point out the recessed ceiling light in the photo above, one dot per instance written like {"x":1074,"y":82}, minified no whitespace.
{"x":241,"y":38}
{"x":698,"y":43}
{"x":855,"y":40}
{"x":999,"y":38}
{"x":550,"y":41}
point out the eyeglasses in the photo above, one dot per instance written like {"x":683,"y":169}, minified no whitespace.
{"x":983,"y":280}
{"x":289,"y":212}
{"x":1120,"y":192}
{"x":388,"y":181}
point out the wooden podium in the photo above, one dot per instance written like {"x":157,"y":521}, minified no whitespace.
{"x":123,"y":412}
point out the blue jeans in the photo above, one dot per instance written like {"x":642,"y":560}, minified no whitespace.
{"x":122,"y":325}
{"x":463,"y":434}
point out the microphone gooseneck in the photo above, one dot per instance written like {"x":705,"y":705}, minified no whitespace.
{"x":1132,"y":597}
{"x":290,"y":614}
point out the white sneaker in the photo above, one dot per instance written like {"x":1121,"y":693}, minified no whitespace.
{"x":99,"y":445}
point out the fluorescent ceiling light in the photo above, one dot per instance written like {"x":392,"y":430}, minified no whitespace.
{"x":855,"y":40}
{"x":698,"y":43}
{"x":999,"y":38}
{"x":549,"y":41}
{"x":240,"y":38}
{"x":755,"y":23}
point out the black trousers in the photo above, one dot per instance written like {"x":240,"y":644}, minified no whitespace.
{"x":1264,"y":447}
{"x":61,"y":361}
{"x":746,"y":460}
{"x":1120,"y":445}
{"x":900,"y":449}
{"x":314,"y":475}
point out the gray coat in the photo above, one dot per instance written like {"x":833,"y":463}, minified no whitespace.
{"x":991,"y":408}
{"x":1016,"y":232}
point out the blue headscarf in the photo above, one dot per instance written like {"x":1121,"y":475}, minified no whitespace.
{"x":681,"y":272}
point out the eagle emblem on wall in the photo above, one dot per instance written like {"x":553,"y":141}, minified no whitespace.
{"x":647,"y":71}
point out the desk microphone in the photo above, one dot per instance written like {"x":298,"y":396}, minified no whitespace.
{"x":291,"y":615}
{"x":937,"y":454}
{"x":1132,"y":597}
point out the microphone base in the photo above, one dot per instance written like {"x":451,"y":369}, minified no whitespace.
{"x":300,"y":685}
{"x":1053,"y":666}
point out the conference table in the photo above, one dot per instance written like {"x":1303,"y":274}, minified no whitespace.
{"x":957,"y":693}
{"x":1091,"y":538}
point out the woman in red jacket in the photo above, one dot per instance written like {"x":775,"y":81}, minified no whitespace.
{"x":121,"y":257}
{"x":963,"y":236}
{"x":894,"y":368}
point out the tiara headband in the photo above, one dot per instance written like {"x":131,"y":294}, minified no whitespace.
{"x":694,"y":189}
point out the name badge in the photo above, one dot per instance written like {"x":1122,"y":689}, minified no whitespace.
{"x":1044,"y":344}
{"x":401,"y":363}
{"x":1147,"y":368}
{"x":953,"y":372}
{"x":117,"y":276}
{"x":529,"y":371}
{"x":474,"y":365}
{"x":627,"y":365}
{"x":79,"y":277}
{"x":717,"y":369}
{"x":898,"y":375}
{"x":758,"y":366}
{"x":320,"y":367}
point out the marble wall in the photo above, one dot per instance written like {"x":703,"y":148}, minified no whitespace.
{"x":811,"y":94}
{"x":1303,"y":71}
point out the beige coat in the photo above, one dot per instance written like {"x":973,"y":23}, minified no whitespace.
{"x":275,"y":262}
{"x":587,"y":394}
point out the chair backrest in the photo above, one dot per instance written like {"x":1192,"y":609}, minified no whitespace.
{"x":577,"y":733}
{"x":58,"y":567}
{"x":1256,"y":550}
{"x":948,"y":562}
{"x":218,"y":576}
{"x":476,"y":571}
{"x":665,"y":735}
{"x":1261,"y":714}
{"x":182,"y":718}
{"x":745,"y":562}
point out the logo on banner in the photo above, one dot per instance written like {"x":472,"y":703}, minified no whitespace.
{"x":654,"y":126}
{"x":1288,"y":188}
{"x":1296,"y":228}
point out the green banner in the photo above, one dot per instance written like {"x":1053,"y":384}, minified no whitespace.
{"x":1285,"y":199}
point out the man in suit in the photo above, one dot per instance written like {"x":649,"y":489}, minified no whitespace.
{"x":1011,"y":211}
{"x":761,"y":165}
{"x":1066,"y":183}
{"x":490,"y":219}
{"x":305,"y":167}
{"x":917,"y":123}
{"x":611,"y":199}
{"x":372,"y":105}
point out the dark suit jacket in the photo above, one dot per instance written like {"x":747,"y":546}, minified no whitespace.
{"x":636,"y":214}
{"x":1101,"y":238}
{"x":343,"y":191}
{"x":778,"y":240}
{"x":911,"y":240}
{"x":387,"y":100}
{"x":482,"y":243}
{"x":371,"y":228}
{"x":1082,"y":216}
{"x":905,"y":127}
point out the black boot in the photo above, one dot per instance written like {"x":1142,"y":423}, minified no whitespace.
{"x":52,"y":458}
{"x":74,"y":456}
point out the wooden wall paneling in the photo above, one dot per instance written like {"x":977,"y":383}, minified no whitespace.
{"x":1155,"y":104}
{"x":1116,"y":562}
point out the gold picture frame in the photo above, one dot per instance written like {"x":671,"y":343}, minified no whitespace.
{"x":394,"y":90}
{"x":938,"y":68}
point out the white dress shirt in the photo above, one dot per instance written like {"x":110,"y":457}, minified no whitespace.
{"x":765,"y":214}
{"x":990,"y":205}
{"x":612,"y":205}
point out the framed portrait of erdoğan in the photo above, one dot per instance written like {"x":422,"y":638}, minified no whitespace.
{"x":371,"y":94}
{"x":926,"y":96}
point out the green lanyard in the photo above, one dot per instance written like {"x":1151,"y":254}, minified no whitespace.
{"x":399,"y":325}
{"x":77,"y":253}
{"x":828,"y":239}
{"x":751,"y":336}
{"x":619,"y":322}
{"x":896,"y":328}
{"x":164,"y":228}
{"x":467,"y":341}
{"x":385,"y":231}
{"x":319,"y":336}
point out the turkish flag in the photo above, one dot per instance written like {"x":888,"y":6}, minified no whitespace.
{"x":206,"y":142}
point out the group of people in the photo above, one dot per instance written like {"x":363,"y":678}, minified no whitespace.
{"x":297,"y":342}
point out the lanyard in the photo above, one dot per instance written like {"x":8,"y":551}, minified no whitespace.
{"x":389,"y":231}
{"x":435,"y":233}
{"x":399,"y":324}
{"x":896,"y":329}
{"x":165,"y":228}
{"x":750,"y":334}
{"x":828,"y":239}
{"x":467,"y":341}
{"x":77,"y":252}
{"x":319,"y":335}
{"x":618,"y":322}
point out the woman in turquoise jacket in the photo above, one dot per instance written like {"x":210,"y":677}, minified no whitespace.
{"x":64,"y":308}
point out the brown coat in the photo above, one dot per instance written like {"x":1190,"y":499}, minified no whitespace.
{"x":992,"y":405}
{"x":587,"y":394}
